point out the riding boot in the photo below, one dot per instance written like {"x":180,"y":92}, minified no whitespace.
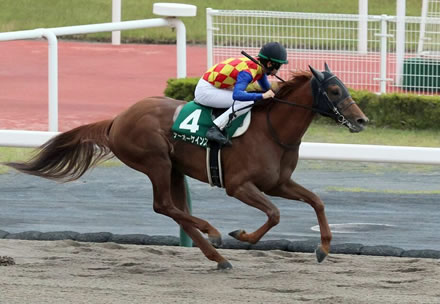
{"x":215,"y":134}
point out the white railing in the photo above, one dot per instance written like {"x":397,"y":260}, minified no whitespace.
{"x":307,"y":151}
{"x":370,"y":153}
{"x":377,"y":53}
{"x":25,"y":139}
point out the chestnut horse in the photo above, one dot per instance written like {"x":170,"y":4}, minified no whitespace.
{"x":259,"y":163}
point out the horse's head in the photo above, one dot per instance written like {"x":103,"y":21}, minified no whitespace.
{"x":332,"y":99}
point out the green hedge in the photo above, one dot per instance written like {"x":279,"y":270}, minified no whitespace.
{"x":397,"y":111}
{"x":400,"y":111}
{"x":182,"y":88}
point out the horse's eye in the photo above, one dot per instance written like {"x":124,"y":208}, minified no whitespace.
{"x":336,"y":92}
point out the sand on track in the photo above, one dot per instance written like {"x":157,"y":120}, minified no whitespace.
{"x":74,"y":272}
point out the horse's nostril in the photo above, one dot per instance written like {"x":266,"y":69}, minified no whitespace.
{"x":362,"y":121}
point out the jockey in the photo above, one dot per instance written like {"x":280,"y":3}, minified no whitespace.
{"x":224,"y":86}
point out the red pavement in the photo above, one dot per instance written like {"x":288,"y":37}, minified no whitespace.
{"x":96,"y":80}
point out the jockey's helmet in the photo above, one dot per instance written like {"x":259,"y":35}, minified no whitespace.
{"x":274,"y":52}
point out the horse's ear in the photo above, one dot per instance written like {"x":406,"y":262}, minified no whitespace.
{"x":318,"y":75}
{"x":327,"y":69}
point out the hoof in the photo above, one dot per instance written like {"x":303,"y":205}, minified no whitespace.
{"x":215,"y":241}
{"x":224,"y":265}
{"x":236,"y":234}
{"x":320,"y":254}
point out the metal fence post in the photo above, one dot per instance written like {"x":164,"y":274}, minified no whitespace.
{"x":209,"y":30}
{"x":383,"y":54}
{"x":185,"y":240}
{"x":363,"y":27}
{"x":400,"y":40}
{"x":52,"y":79}
{"x":116,"y":17}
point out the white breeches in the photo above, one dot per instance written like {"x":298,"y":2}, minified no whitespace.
{"x":208,"y":95}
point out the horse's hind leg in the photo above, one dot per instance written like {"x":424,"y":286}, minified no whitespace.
{"x":178,"y":192}
{"x":208,"y":250}
{"x":152,"y":158}
{"x":170,"y":200}
{"x":179,"y":197}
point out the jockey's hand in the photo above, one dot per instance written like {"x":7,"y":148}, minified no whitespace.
{"x":268,"y":94}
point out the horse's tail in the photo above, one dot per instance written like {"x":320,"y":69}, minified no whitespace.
{"x":67,"y":156}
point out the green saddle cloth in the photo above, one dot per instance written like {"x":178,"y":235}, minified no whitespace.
{"x":193,"y":122}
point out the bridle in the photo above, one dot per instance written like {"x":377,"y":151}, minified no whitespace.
{"x":336,"y":109}
{"x":320,"y":98}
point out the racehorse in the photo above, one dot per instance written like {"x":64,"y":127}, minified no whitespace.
{"x":259,"y":163}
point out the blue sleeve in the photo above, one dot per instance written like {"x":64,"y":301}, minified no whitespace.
{"x":264,"y":83}
{"x":243,"y":80}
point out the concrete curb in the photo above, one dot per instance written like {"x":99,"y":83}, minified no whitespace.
{"x":168,"y":240}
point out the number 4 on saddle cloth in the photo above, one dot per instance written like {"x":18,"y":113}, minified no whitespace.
{"x":191,"y":123}
{"x":194,"y":120}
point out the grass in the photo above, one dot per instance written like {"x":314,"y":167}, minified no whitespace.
{"x":12,"y":154}
{"x":325,"y":132}
{"x":330,"y":133}
{"x":387,"y":191}
{"x":30,"y":14}
{"x":9,"y":154}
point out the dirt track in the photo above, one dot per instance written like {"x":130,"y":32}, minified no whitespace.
{"x":72,"y":272}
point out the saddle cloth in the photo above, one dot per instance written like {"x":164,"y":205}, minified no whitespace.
{"x":192,"y":121}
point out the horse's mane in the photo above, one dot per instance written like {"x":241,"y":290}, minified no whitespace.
{"x":297,"y":79}
{"x":286,"y":88}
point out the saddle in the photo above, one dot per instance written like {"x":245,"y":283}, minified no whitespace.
{"x":192,"y":121}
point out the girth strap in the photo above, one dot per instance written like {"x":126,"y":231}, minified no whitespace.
{"x":214,"y":166}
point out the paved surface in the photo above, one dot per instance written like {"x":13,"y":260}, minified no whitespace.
{"x":365,"y":203}
{"x":96,"y":80}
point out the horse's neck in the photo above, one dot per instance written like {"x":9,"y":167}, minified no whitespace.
{"x":291,"y":122}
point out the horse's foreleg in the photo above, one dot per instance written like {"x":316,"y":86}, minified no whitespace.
{"x":294,"y":191}
{"x":252,"y":196}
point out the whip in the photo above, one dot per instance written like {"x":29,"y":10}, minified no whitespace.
{"x":254,"y":60}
